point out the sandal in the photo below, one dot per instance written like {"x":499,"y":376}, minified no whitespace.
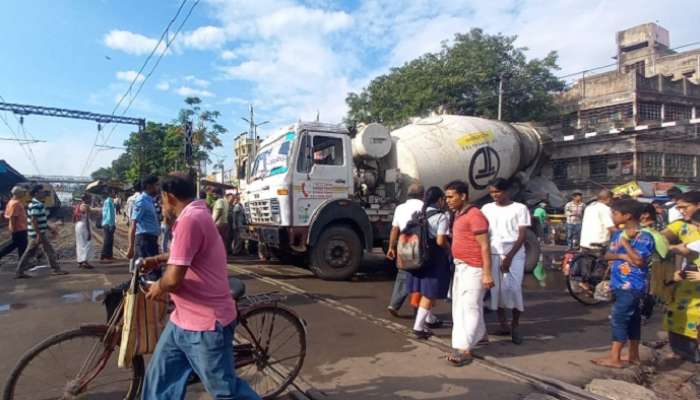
{"x":422,"y":334}
{"x":459,"y":359}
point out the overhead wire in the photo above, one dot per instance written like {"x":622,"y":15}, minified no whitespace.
{"x":28,"y":152}
{"x":92,"y":153}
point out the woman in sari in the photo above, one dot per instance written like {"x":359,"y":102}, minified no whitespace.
{"x":682,"y":318}
{"x":83,"y":234}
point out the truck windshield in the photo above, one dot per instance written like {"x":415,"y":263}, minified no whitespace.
{"x":273,"y":158}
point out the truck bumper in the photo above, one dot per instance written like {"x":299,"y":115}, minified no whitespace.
{"x":284,"y":238}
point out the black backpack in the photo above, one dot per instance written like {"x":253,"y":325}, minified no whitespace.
{"x":413,"y":248}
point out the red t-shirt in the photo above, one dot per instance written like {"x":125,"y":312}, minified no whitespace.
{"x":464,"y":230}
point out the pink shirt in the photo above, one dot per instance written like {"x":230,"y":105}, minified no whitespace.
{"x":204,"y":296}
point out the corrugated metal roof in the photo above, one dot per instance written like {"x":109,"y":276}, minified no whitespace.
{"x":9,"y":177}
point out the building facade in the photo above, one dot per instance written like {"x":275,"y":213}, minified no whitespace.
{"x":242,"y":149}
{"x":638,"y":122}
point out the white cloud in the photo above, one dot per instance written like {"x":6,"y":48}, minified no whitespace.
{"x":197,"y":82}
{"x":301,"y":20}
{"x":131,"y":43}
{"x":234,"y":100}
{"x":204,"y":38}
{"x":187,"y":91}
{"x":163,"y":86}
{"x":129,"y":76}
{"x":228,"y":55}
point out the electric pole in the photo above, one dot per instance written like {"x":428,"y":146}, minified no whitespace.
{"x":500,"y":96}
{"x":254,"y":133}
{"x":188,"y":147}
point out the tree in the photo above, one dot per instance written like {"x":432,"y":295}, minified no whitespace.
{"x":159,"y":148}
{"x":462,"y":79}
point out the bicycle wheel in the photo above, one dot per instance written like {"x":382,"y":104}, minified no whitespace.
{"x":269,"y":347}
{"x":579,"y":283}
{"x":59,"y":368}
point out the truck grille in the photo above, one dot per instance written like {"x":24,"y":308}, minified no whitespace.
{"x":262,"y":211}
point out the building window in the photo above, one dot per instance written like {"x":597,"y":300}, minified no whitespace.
{"x":606,"y":117}
{"x":598,"y":166}
{"x":560,"y":169}
{"x":638,"y":66}
{"x":651,"y":164}
{"x":679,"y":165}
{"x":677,"y":112}
{"x":649,"y":112}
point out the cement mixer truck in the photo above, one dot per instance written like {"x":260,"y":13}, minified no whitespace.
{"x":315,"y":196}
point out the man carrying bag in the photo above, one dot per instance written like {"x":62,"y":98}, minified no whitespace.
{"x":198,"y":338}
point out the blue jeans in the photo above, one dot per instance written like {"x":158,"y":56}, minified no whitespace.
{"x":400,"y":292}
{"x":573,"y":234}
{"x":625,"y":318}
{"x":209,"y":354}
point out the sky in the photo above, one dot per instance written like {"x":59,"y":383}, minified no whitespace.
{"x":290,"y":59}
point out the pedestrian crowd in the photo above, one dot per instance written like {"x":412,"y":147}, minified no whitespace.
{"x":471,"y":252}
{"x":166,"y":225}
{"x":475,"y":258}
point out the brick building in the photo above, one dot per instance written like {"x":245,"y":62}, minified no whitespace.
{"x":640,"y":121}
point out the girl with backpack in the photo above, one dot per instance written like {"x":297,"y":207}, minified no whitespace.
{"x":432,"y":280}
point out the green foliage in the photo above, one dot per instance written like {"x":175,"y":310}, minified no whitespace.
{"x":462,"y":79}
{"x":159,"y":149}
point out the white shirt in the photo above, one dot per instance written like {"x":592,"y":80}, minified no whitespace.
{"x":438,"y":224}
{"x":404,"y":212}
{"x":504,"y":224}
{"x":130,"y":203}
{"x":597,"y":219}
{"x":674,"y":214}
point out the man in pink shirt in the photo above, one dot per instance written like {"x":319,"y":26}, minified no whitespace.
{"x":199,"y":336}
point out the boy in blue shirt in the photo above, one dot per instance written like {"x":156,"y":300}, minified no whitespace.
{"x":629,"y":254}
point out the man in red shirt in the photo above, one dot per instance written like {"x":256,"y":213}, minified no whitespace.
{"x":472,"y":277}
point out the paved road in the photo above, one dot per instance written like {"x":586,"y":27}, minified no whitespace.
{"x":356,"y":351}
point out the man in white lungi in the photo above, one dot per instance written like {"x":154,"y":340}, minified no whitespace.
{"x":472,"y":275}
{"x":508,"y":224}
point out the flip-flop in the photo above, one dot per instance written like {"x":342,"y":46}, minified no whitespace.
{"x":459,"y":359}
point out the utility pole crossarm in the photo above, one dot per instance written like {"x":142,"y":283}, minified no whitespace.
{"x":23,"y":109}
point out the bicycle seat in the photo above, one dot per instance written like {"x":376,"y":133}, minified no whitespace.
{"x":237,"y":288}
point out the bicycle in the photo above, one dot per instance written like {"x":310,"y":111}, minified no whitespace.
{"x":269,"y":365}
{"x":584,"y":270}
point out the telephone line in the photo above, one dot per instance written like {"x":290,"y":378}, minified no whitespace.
{"x":92,"y":153}
{"x":168,"y":43}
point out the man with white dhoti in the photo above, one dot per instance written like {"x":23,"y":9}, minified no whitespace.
{"x":83,"y":235}
{"x":508,"y":224}
{"x":472,"y":274}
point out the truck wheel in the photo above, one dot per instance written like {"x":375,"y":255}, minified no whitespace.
{"x":337,"y":254}
{"x":532,"y":251}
